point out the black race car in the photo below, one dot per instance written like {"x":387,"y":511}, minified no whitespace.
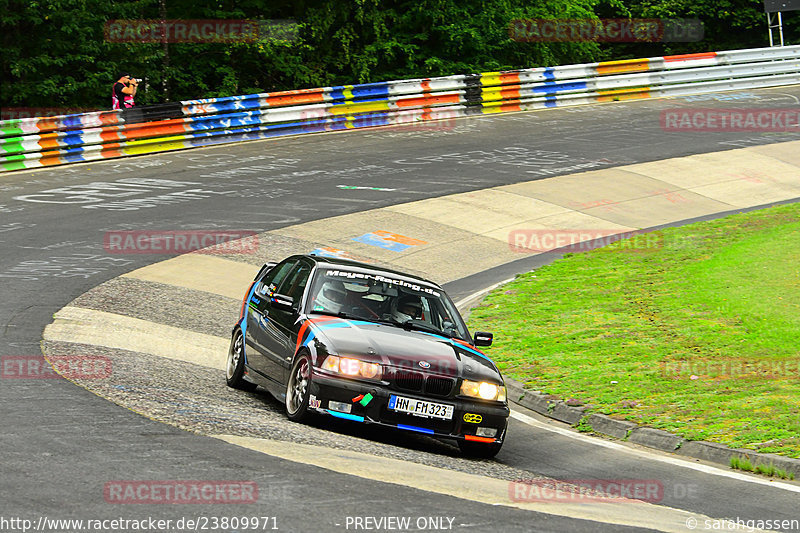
{"x":371,"y":345}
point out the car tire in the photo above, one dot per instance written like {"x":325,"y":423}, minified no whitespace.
{"x":234,"y":368}
{"x":479,"y":449}
{"x":298,"y":389}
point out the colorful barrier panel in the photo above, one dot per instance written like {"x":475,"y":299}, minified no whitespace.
{"x":36,"y":142}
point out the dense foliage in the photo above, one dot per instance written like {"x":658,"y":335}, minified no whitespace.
{"x":55,"y":53}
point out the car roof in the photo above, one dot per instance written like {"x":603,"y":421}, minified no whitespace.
{"x":357,"y":266}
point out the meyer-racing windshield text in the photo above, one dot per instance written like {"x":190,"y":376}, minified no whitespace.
{"x":381,"y":279}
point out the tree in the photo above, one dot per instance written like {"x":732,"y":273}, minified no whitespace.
{"x":55,"y":52}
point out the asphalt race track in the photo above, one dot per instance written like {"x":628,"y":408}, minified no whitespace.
{"x":62,"y":444}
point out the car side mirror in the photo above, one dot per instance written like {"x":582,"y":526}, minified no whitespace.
{"x":282,"y":302}
{"x":482,"y":338}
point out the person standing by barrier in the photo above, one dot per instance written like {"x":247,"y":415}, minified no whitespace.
{"x":123,"y":92}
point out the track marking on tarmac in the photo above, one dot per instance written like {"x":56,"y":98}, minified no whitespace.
{"x":651,"y":456}
{"x":200,"y":272}
{"x":99,"y":328}
{"x":477,"y":294}
{"x":469,"y":486}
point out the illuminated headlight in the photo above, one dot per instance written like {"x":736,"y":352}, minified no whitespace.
{"x":351,"y":367}
{"x":483,"y":390}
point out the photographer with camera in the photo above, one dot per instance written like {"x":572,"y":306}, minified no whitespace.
{"x":123,"y":92}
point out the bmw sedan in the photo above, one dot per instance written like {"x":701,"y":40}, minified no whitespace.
{"x":369,"y":345}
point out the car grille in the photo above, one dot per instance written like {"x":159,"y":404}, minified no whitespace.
{"x":436,"y":386}
{"x":408,"y":380}
{"x":415,"y":381}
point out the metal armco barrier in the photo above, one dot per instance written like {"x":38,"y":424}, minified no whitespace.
{"x":37,"y":142}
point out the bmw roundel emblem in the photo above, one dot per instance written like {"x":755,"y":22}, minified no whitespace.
{"x":424,"y":364}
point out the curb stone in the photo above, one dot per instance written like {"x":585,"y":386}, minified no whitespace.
{"x":650,"y":437}
{"x":710,"y":451}
{"x":656,"y":438}
{"x":606,"y":425}
{"x":543,"y":404}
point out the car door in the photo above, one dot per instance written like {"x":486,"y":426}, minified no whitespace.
{"x":258,"y":320}
{"x":282,"y":335}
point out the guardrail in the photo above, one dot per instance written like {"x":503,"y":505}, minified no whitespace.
{"x":37,"y":142}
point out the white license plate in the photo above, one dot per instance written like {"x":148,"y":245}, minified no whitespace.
{"x":420,"y":407}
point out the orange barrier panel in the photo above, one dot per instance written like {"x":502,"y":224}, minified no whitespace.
{"x":619,"y":67}
{"x":689,"y":57}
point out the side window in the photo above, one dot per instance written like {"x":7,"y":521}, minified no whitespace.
{"x":295,"y":284}
{"x":266,"y":287}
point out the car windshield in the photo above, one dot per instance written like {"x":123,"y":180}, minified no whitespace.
{"x":387,"y":299}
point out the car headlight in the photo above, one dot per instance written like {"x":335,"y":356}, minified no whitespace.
{"x":501,"y":396}
{"x":352,"y":367}
{"x":483,"y":390}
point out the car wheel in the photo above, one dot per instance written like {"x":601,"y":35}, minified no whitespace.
{"x":234,"y":369}
{"x":479,"y":449}
{"x":298,"y":389}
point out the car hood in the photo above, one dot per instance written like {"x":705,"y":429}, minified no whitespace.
{"x":397,"y":347}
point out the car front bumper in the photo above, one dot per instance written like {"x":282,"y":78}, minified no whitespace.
{"x":468,"y":415}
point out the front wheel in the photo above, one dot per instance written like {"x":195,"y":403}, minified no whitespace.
{"x":298,"y":389}
{"x":479,"y":449}
{"x":234,"y":369}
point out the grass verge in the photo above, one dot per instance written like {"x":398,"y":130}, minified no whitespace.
{"x":697,"y":332}
{"x":769,"y":470}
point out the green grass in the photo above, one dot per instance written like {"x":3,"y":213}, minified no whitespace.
{"x":769,"y":470}
{"x":700,"y":332}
